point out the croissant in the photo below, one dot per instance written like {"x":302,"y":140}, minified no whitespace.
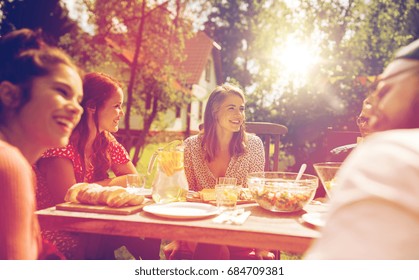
{"x":94,"y":194}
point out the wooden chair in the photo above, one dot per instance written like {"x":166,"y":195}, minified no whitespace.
{"x":269,"y":133}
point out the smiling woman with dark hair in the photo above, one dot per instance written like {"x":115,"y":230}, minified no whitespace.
{"x":40,"y":91}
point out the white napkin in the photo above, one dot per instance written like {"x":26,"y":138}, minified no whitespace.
{"x":240,"y":219}
{"x":232,"y":217}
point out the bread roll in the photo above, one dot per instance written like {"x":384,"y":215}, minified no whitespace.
{"x":89,"y":194}
{"x":71,"y":195}
{"x":136,"y":199}
{"x":109,"y":191}
{"x":94,"y":194}
{"x":119,"y":199}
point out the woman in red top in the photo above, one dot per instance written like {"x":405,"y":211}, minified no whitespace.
{"x":93,"y":152}
{"x":40,"y":91}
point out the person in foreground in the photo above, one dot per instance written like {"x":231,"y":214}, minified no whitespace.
{"x":222,"y":149}
{"x":89,"y":156}
{"x":375,"y":212}
{"x":40,"y":91}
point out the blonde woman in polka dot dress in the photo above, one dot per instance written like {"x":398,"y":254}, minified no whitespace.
{"x":221,"y":149}
{"x":93,"y":152}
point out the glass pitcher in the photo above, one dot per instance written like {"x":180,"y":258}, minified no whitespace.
{"x":170,"y":183}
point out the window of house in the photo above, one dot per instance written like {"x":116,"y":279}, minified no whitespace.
{"x":208,"y":71}
{"x":177,"y":111}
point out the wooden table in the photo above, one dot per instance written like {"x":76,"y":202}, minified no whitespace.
{"x":263,"y":229}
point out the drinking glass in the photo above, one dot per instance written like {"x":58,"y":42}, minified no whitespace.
{"x":227,"y":181}
{"x":136,"y":182}
{"x":327,"y":174}
{"x":226,"y":196}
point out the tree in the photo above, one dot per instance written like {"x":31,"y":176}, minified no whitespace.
{"x":149,"y":37}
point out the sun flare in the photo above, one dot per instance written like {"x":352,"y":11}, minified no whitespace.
{"x":296,"y":59}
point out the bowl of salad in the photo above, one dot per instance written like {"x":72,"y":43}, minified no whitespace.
{"x":281,"y":191}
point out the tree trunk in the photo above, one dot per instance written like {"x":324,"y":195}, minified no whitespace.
{"x":128,"y":138}
{"x":146,"y":127}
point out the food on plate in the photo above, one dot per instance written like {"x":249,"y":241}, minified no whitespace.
{"x":94,"y":194}
{"x":209,"y":194}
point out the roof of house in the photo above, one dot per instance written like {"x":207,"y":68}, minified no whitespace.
{"x":197,"y":50}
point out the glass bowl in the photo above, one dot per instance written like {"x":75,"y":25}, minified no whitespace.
{"x":280,"y":191}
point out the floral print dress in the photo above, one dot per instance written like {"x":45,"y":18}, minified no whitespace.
{"x":200,"y":176}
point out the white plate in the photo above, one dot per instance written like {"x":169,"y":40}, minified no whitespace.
{"x":182,"y":210}
{"x":315,"y":219}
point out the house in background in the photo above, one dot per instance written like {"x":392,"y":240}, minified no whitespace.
{"x":203,"y":66}
{"x":203,"y":71}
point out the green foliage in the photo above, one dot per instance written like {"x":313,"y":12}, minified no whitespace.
{"x":143,"y":42}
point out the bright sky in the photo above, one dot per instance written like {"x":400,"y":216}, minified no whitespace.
{"x":71,"y":8}
{"x":296,"y":58}
{"x":80,"y":17}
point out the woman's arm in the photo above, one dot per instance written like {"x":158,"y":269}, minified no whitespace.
{"x":121,"y":165}
{"x":120,"y":171}
{"x":59,"y":176}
